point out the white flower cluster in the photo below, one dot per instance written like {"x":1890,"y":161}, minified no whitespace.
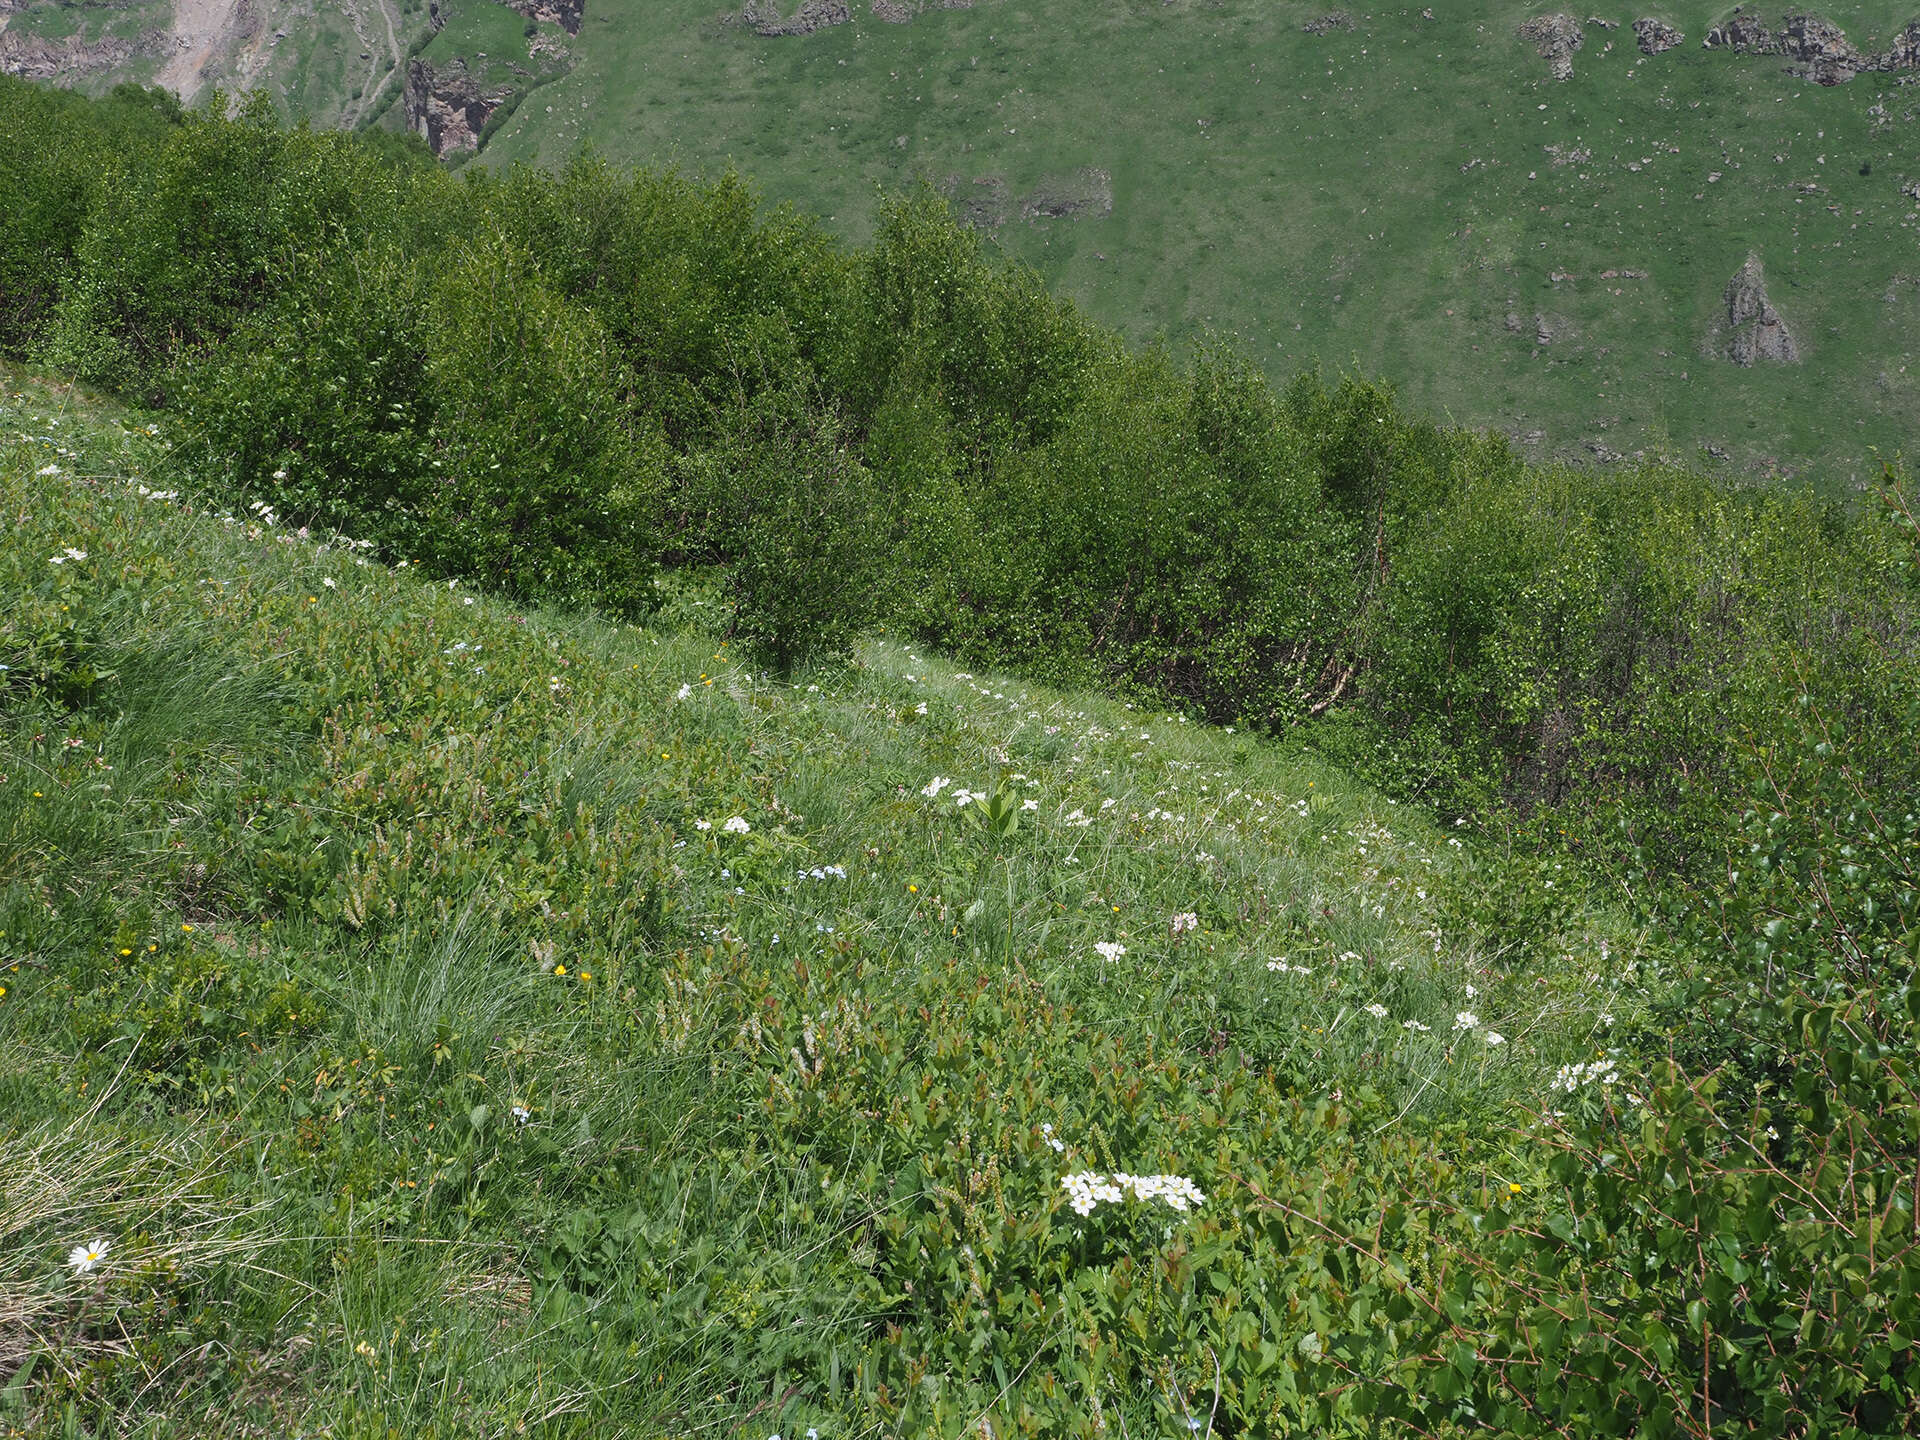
{"x":1183,"y":922}
{"x":823,"y":872}
{"x":736,"y":825}
{"x":1280,"y":966}
{"x":67,"y":554}
{"x":1598,"y":1072}
{"x":1086,"y":1189}
{"x":1109,"y":949}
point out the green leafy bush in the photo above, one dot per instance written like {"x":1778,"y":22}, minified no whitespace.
{"x":787,"y":498}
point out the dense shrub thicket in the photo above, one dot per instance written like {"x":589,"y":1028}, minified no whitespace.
{"x":563,"y":382}
{"x":560,"y":384}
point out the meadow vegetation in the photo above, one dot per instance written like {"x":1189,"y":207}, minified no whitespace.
{"x":616,"y":813}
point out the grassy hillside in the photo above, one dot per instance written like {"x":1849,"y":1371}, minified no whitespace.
{"x":425,"y":1012}
{"x":448,"y":1014}
{"x":1385,"y":196}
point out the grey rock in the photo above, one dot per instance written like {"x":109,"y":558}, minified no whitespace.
{"x":1654,"y":36}
{"x":1759,"y":330}
{"x":1555,"y":37}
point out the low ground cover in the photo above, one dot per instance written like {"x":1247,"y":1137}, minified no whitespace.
{"x":451,"y":1015}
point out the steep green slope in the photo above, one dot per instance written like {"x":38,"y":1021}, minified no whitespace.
{"x":1415,"y":196}
{"x":445,"y":1013}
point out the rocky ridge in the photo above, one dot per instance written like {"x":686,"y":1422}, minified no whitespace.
{"x":1818,"y":49}
{"x":34,"y":57}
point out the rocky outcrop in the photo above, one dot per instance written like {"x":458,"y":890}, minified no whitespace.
{"x":1904,"y":52}
{"x":1555,"y":37}
{"x":34,"y":57}
{"x":448,"y":107}
{"x":1759,"y":330}
{"x":567,"y":14}
{"x":1743,"y":34}
{"x":986,"y":202}
{"x":1086,"y":192}
{"x":901,"y":12}
{"x":765,"y":18}
{"x":1818,"y":49}
{"x":1655,"y":36}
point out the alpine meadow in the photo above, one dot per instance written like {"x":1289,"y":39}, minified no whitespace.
{"x":650,"y":800}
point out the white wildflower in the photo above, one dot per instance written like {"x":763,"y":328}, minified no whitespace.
{"x":934,"y":786}
{"x":1087,"y":1190}
{"x":683,"y":692}
{"x":736,"y":826}
{"x":1570,"y":1078}
{"x":1109,"y":949}
{"x":86,"y":1258}
{"x":1466,"y":1020}
{"x":1376,"y":1010}
{"x":1183,"y":922}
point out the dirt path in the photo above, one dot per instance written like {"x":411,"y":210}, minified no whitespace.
{"x":375,"y":82}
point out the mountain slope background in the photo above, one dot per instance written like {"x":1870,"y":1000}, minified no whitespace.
{"x":1410,"y":192}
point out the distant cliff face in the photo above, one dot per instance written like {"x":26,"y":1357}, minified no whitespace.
{"x":34,"y":57}
{"x":188,"y":46}
{"x":448,"y":107}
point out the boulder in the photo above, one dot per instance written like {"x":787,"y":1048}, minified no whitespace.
{"x":1654,"y":36}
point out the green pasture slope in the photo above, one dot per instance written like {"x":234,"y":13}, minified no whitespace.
{"x":1381,"y":197}
{"x":420,"y":1016}
{"x":457,"y":1020}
